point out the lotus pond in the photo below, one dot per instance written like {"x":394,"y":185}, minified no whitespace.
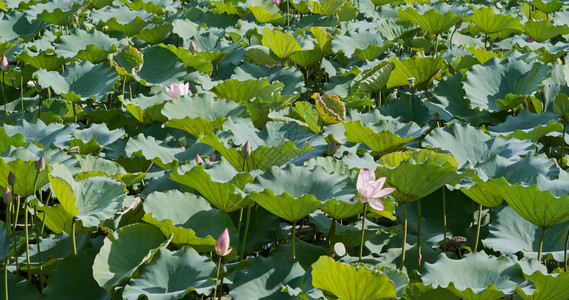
{"x":260,"y":149}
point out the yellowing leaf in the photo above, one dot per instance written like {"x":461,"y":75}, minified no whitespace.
{"x":330,"y":108}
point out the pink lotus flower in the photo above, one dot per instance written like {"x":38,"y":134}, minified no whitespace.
{"x":222,"y":244}
{"x":276,"y":2}
{"x":371,"y":190}
{"x":4,"y":63}
{"x":199,"y":159}
{"x":178,"y":89}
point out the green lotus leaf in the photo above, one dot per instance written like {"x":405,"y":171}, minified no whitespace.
{"x":486,"y":193}
{"x":261,"y":55}
{"x":330,"y":108}
{"x":467,"y":143}
{"x":265,"y":277}
{"x":93,"y":46}
{"x":73,"y":277}
{"x":363,"y":44}
{"x":231,"y":7}
{"x":511,"y":234}
{"x":482,"y":55}
{"x":155,"y":7}
{"x":383,"y":137}
{"x":307,"y":58}
{"x":291,"y":77}
{"x":307,"y":253}
{"x":342,"y":210}
{"x":561,"y":107}
{"x":240,"y":91}
{"x":430,"y":171}
{"x":6,"y":141}
{"x":123,"y":251}
{"x":98,"y":134}
{"x":542,"y":31}
{"x":58,"y":12}
{"x":162,"y":155}
{"x":491,"y":23}
{"x":432,"y":20}
{"x":547,"y":7}
{"x":122,"y":19}
{"x":282,"y":44}
{"x":547,"y":286}
{"x":78,"y":79}
{"x":488,"y":277}
{"x":25,"y":28}
{"x":262,"y":157}
{"x":93,"y":166}
{"x":42,"y":134}
{"x":160,"y":67}
{"x":301,"y":6}
{"x":527,"y":125}
{"x":3,"y":6}
{"x":220,"y":184}
{"x":323,"y":38}
{"x":358,"y":282}
{"x":422,"y":69}
{"x":505,"y":87}
{"x":190,"y":60}
{"x":42,"y":60}
{"x":199,"y":115}
{"x":155,"y":33}
{"x":160,"y":277}
{"x":93,"y":200}
{"x":98,"y":4}
{"x":25,"y":173}
{"x":541,"y":207}
{"x":184,"y":216}
{"x":332,"y":165}
{"x":20,"y":287}
{"x":373,"y":79}
{"x":127,"y":61}
{"x":265,"y":11}
{"x":349,"y":235}
{"x":310,"y":116}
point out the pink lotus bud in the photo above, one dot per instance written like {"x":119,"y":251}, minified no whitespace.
{"x":40,"y":164}
{"x":192,"y":47}
{"x":178,"y":89}
{"x":458,"y":24}
{"x":332,"y":147}
{"x":7,"y":196}
{"x":246,"y":150}
{"x":199,"y":159}
{"x":4,"y":63}
{"x":213,"y":157}
{"x":11,"y":178}
{"x":531,"y":40}
{"x":222,"y":244}
{"x":276,"y":2}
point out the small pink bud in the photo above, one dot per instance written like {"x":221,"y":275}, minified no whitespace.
{"x":246,"y":150}
{"x":4,"y":63}
{"x":11,"y":178}
{"x":222,"y":244}
{"x":458,"y":24}
{"x":276,"y":2}
{"x":531,"y":40}
{"x":192,"y":47}
{"x":332,"y":147}
{"x":199,"y":159}
{"x":7,"y":196}
{"x":40,"y":164}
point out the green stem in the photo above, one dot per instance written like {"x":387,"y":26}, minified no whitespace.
{"x":444,"y":220}
{"x":240,"y":220}
{"x":74,"y":243}
{"x":332,"y":235}
{"x":287,"y":12}
{"x":44,"y":214}
{"x":26,"y":212}
{"x":363,"y":233}
{"x":17,"y":213}
{"x":123,"y":86}
{"x":293,"y":238}
{"x":217,"y":277}
{"x":74,"y":112}
{"x":478,"y":228}
{"x":565,"y":254}
{"x":4,"y":92}
{"x":38,"y":239}
{"x":404,"y":236}
{"x":6,"y":278}
{"x":22,"y":86}
{"x":419,"y":234}
{"x":241,"y":254}
{"x":563,"y":142}
{"x":436,"y":45}
{"x":540,"y":244}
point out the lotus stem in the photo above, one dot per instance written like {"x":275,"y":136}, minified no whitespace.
{"x":444,"y":220}
{"x":6,"y":278}
{"x":38,"y":239}
{"x":217,"y":277}
{"x":7,"y":258}
{"x":565,"y":253}
{"x":22,"y":86}
{"x":436,"y":44}
{"x":4,"y":92}
{"x":17,"y":212}
{"x":288,"y":13}
{"x":44,"y":214}
{"x":245,"y":233}
{"x":563,"y":142}
{"x":74,"y":112}
{"x":540,"y":244}
{"x":26,"y":212}
{"x":74,"y":243}
{"x":293,"y":238}
{"x":363,"y":233}
{"x":332,"y":235}
{"x":123,"y":86}
{"x":240,"y":220}
{"x":404,"y":236}
{"x":419,"y":233}
{"x":478,"y":228}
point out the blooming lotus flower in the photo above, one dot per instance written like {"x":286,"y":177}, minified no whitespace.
{"x":222,"y":244}
{"x":371,"y":190}
{"x":4,"y":63}
{"x":178,"y":89}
